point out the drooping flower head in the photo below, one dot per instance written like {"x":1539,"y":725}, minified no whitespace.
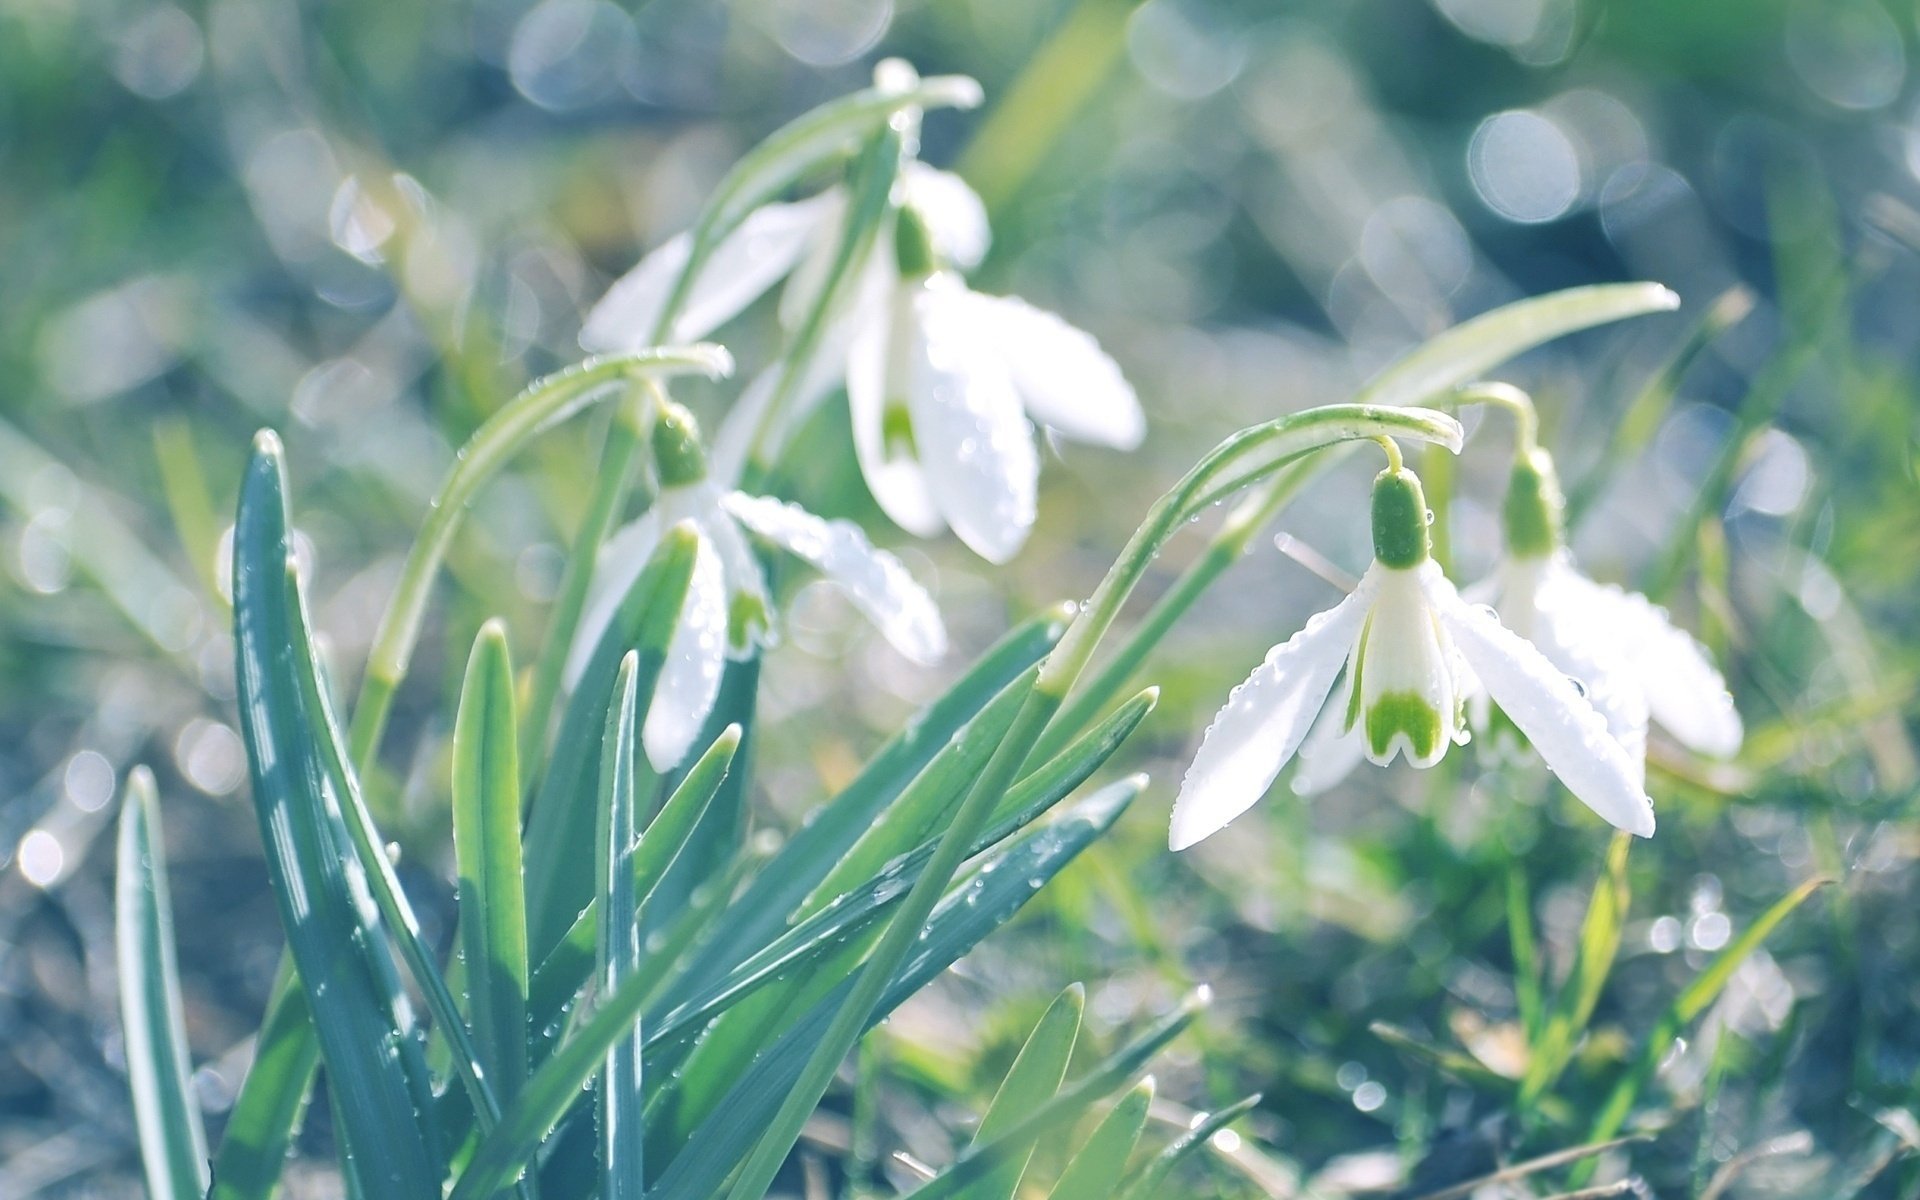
{"x":727,"y":612}
{"x":1413,"y":651}
{"x":1634,"y":663}
{"x":945,"y":384}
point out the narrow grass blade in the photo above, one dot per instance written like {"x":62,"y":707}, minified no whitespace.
{"x":805,"y":859}
{"x":797,"y":969}
{"x":363,"y":840}
{"x":1069,"y":1105}
{"x":1095,"y":1170}
{"x":563,"y":972}
{"x":560,"y":827}
{"x":173,"y":1146}
{"x":1033,"y":1079}
{"x":618,"y":1097}
{"x":1635,"y":427}
{"x":965,"y":915}
{"x":1686,"y":1007}
{"x":486,"y":843}
{"x":1150,"y":1180}
{"x":1593,"y":961}
{"x":366,"y":1036}
{"x":1462,"y":353}
{"x":260,"y":1126}
{"x":835,"y":929}
{"x":1526,"y":959}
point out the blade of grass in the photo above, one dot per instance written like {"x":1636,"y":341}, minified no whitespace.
{"x":1526,"y":958}
{"x":1686,"y":1007}
{"x":836,"y":926}
{"x":797,"y":868}
{"x":965,"y":916}
{"x":1036,"y":1074}
{"x":1069,"y":1105}
{"x":1635,"y":427}
{"x":617,"y":1094}
{"x":1151,"y":1178}
{"x":560,"y":825}
{"x":767,"y":993}
{"x":563,"y":972}
{"x":1593,"y":960}
{"x":173,"y":1146}
{"x":1095,"y":1170}
{"x":365,"y":1035}
{"x":259,"y":1132}
{"x":486,"y":843}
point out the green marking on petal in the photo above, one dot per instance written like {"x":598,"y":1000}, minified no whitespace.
{"x":896,"y":431}
{"x":1403,"y":712}
{"x":746,"y":616}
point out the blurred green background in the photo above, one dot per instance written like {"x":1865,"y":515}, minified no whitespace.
{"x":367,"y":222}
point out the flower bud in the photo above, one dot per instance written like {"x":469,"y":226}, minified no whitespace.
{"x":678,"y":459}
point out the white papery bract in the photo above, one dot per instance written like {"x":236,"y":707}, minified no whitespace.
{"x":1413,"y":650}
{"x":726,"y":611}
{"x":945,"y":384}
{"x":1632,"y":660}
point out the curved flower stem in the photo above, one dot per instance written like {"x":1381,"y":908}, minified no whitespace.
{"x":872,"y":192}
{"x":1526,"y":421}
{"x":1268,"y":447}
{"x":548,"y":400}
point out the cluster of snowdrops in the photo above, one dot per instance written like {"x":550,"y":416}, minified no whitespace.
{"x":945,"y":386}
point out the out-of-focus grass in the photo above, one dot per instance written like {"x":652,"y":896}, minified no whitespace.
{"x":204,"y":230}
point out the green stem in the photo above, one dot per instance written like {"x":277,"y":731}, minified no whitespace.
{"x":547,"y":400}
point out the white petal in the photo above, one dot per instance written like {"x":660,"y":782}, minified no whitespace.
{"x":876,"y":582}
{"x":737,"y":561}
{"x":895,"y":479}
{"x":1264,"y":721}
{"x":1566,"y":730}
{"x":624,"y":318}
{"x":973,"y":440}
{"x":622,"y":557}
{"x":1067,"y":381}
{"x":746,"y":263}
{"x":1405,"y":659}
{"x":696,"y":655}
{"x":1331,"y":750}
{"x":734,"y":442}
{"x":956,"y":219}
{"x":1684,"y":692}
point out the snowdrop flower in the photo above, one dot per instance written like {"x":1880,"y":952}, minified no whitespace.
{"x":1413,"y":652}
{"x":1634,"y":663}
{"x":726,"y":611}
{"x":945,"y":384}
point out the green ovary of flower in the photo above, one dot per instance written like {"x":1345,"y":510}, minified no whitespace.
{"x":1403,"y":713}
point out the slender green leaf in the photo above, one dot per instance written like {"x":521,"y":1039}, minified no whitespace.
{"x":618,"y":1095}
{"x":833,"y":931}
{"x":1462,"y":353}
{"x":1095,"y":1170}
{"x":1069,"y":1105}
{"x":1686,"y":1007}
{"x":365,"y":1034}
{"x":793,"y":972}
{"x":1150,"y":1180}
{"x":260,"y":1126}
{"x":560,"y":827}
{"x":797,"y":868}
{"x":1035,"y":1076}
{"x":566,"y":968}
{"x":173,"y":1146}
{"x":486,"y":843}
{"x":966,"y":915}
{"x":1592,"y":963}
{"x":1463,"y":1067}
